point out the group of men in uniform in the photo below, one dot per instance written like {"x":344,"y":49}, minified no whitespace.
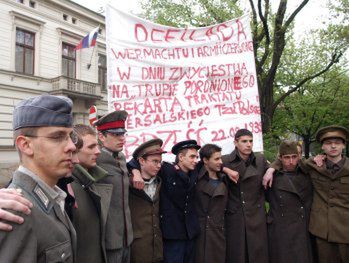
{"x":212,"y":210}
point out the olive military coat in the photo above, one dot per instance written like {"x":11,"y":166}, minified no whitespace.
{"x":246,"y":227}
{"x":46,"y":235}
{"x":89,"y":215}
{"x":330,"y":209}
{"x":290,"y":200}
{"x":119,"y":232}
{"x":211,"y":204}
{"x":147,"y":246}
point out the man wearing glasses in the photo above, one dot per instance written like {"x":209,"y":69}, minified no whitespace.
{"x":144,"y":204}
{"x":45,"y":140}
{"x":119,"y":235}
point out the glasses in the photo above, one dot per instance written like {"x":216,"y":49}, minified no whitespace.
{"x":155,"y":162}
{"x":60,"y":137}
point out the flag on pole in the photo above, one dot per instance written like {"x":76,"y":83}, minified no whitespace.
{"x":89,"y":40}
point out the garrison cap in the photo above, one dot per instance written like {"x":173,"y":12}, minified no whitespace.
{"x":288,"y":147}
{"x":188,"y":144}
{"x":150,"y":147}
{"x":333,"y":131}
{"x":43,"y":111}
{"x":113,"y":122}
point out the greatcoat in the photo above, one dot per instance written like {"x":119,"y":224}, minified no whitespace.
{"x":147,"y":246}
{"x":119,"y":227}
{"x":46,"y":235}
{"x":329,"y":215}
{"x":290,"y":200}
{"x":246,"y":228}
{"x":211,"y":204}
{"x":89,"y":217}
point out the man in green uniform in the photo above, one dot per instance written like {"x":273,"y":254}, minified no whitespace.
{"x":45,"y":140}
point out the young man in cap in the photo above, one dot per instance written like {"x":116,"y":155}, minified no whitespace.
{"x":246,"y":226}
{"x":290,"y":200}
{"x":330,"y":210}
{"x":90,"y":199}
{"x":211,"y":201}
{"x":119,"y":235}
{"x":44,"y":139}
{"x":178,"y":219}
{"x":147,"y":245}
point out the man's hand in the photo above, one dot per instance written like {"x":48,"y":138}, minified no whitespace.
{"x":268,"y":178}
{"x":12,"y":199}
{"x":233,"y":175}
{"x":137,"y":180}
{"x":320,"y":159}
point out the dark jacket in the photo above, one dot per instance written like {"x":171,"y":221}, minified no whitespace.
{"x":211,"y":204}
{"x":89,"y":216}
{"x":290,"y":200}
{"x":330,"y":210}
{"x":246,"y":227}
{"x":119,"y":227}
{"x":147,"y":243}
{"x":46,"y":235}
{"x":178,"y":218}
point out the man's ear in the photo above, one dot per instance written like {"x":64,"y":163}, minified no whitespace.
{"x":141,"y":161}
{"x":205,"y":160}
{"x":279,"y":157}
{"x":24,"y":145}
{"x":101,"y":137}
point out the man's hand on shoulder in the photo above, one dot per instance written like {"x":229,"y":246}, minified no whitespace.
{"x":136,"y":179}
{"x":233,"y":175}
{"x":268,"y":178}
{"x":12,"y":199}
{"x":320,"y":159}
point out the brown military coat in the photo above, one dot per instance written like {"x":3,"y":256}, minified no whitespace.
{"x":46,"y":235}
{"x":90,"y":215}
{"x":290,"y":200}
{"x":246,"y":228}
{"x":119,"y":227}
{"x":210,"y":207}
{"x":330,"y":210}
{"x":147,"y":246}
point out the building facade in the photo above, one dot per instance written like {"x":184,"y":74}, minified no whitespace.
{"x":37,"y":51}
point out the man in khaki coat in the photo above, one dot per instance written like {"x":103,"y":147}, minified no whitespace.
{"x":330,"y":210}
{"x":144,"y":204}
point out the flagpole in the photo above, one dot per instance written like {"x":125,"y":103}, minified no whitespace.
{"x":93,"y":51}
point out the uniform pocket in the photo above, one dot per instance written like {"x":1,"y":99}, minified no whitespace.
{"x":61,"y":252}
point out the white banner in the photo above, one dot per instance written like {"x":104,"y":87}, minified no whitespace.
{"x":182,"y":83}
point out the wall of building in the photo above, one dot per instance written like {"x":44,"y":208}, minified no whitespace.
{"x":52,"y":23}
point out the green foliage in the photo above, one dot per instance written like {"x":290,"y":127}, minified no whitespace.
{"x":198,"y":13}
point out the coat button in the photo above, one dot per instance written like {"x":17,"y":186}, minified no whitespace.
{"x":63,"y":255}
{"x":243,"y":202}
{"x":302,"y":207}
{"x":242,"y":192}
{"x":174,"y":183}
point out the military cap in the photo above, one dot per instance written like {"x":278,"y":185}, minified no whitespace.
{"x":113,"y":122}
{"x":188,"y":144}
{"x":333,"y":131}
{"x":150,"y":147}
{"x":43,"y":111}
{"x":288,"y":147}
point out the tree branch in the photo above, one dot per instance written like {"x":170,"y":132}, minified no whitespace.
{"x":334,"y":59}
{"x":293,"y":15}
